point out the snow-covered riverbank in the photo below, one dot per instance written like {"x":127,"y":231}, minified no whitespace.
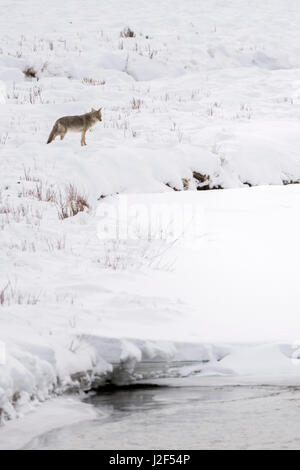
{"x":226,"y":287}
{"x":224,"y":412}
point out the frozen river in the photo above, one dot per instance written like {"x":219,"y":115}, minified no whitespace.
{"x":186,"y":414}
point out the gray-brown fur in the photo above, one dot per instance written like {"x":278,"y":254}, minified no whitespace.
{"x":80,"y":123}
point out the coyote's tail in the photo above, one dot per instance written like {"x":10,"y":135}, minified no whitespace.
{"x":52,"y":134}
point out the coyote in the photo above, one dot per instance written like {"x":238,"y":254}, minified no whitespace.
{"x":75,"y":124}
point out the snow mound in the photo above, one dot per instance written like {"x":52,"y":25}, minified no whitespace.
{"x":262,"y":362}
{"x":30,"y":377}
{"x":253,"y":153}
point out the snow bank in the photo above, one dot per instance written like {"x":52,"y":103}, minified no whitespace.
{"x":28,"y":378}
{"x":51,"y":415}
{"x":262,"y":362}
{"x":252,"y":153}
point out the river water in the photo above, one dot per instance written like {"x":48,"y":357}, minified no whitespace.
{"x":183,"y":414}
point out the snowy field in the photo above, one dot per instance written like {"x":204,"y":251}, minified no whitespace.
{"x":194,"y":95}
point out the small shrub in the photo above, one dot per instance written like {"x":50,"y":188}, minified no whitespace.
{"x":92,"y":81}
{"x":14,"y":94}
{"x":136,"y":103}
{"x":4,"y":138}
{"x":38,"y":193}
{"x":11,"y":295}
{"x":56,"y":244}
{"x":29,"y":72}
{"x":127,"y":33}
{"x":3,"y":294}
{"x":18,"y":214}
{"x":50,"y":195}
{"x":151,"y":52}
{"x":28,"y":176}
{"x":71,"y":202}
{"x":15,"y":212}
{"x":35,"y":95}
{"x":24,"y":245}
{"x":32,"y":96}
{"x":136,"y":254}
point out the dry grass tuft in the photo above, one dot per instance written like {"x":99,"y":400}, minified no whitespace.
{"x":15,"y":212}
{"x":29,"y":72}
{"x":136,"y":103}
{"x":68,"y":202}
{"x":28,"y":177}
{"x":11,"y":295}
{"x":71,"y":202}
{"x":3,"y":138}
{"x":127,"y":33}
{"x":37,"y":192}
{"x":92,"y":81}
{"x":34,"y":95}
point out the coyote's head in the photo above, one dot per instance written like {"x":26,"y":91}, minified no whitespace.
{"x":97,"y":113}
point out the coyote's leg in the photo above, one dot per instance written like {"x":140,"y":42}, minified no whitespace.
{"x":83,"y":142}
{"x":62,"y":135}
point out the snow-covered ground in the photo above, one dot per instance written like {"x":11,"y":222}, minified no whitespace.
{"x":208,"y":89}
{"x":55,"y":413}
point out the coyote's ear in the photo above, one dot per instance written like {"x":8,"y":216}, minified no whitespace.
{"x":99,"y":110}
{"x":93,"y":109}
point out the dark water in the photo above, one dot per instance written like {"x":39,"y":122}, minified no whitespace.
{"x":189,"y":417}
